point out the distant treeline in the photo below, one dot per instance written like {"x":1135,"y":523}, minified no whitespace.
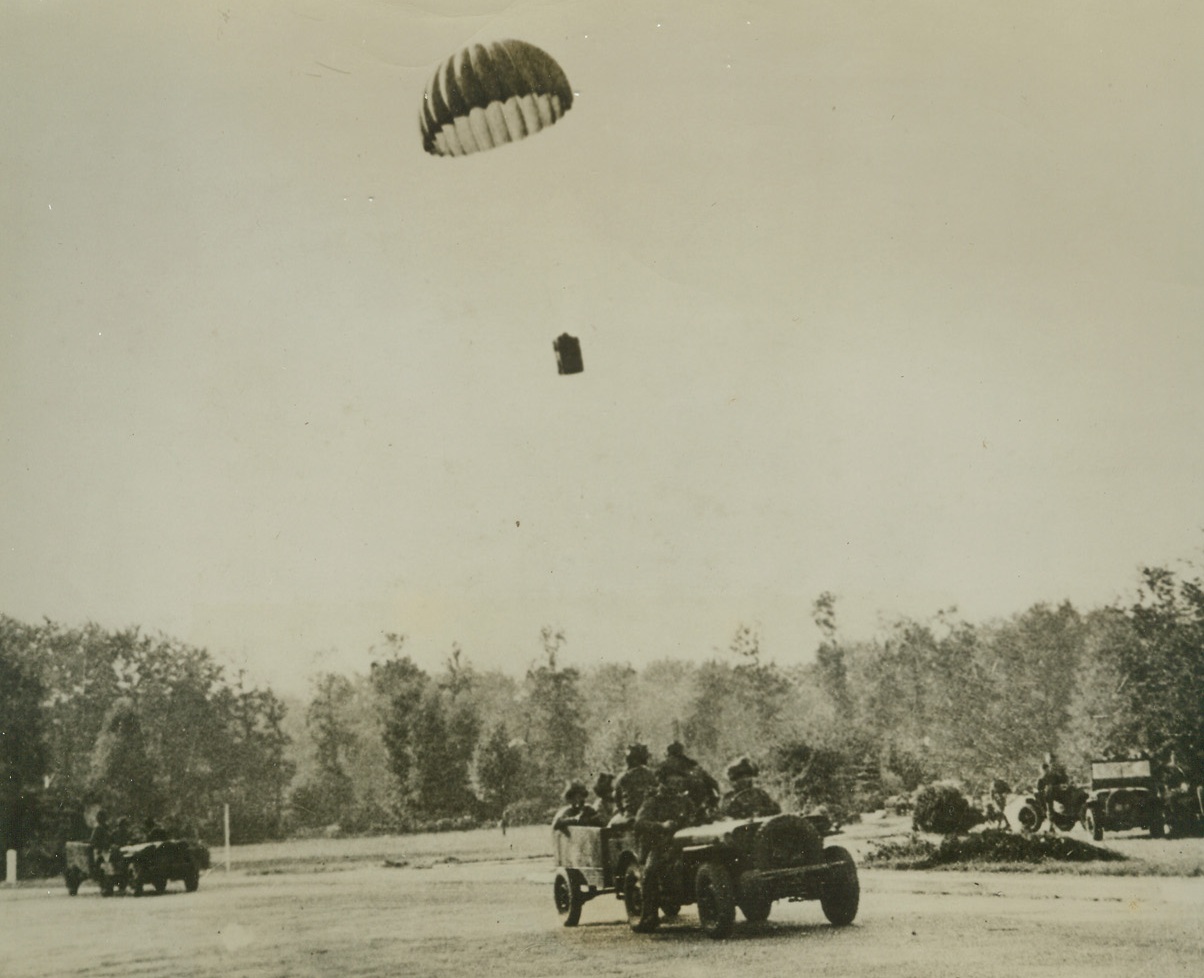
{"x":140,"y":725}
{"x":148,"y":725}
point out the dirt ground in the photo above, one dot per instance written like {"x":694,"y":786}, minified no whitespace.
{"x":494,"y":919}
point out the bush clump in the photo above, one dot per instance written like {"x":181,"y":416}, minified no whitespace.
{"x":994,"y":846}
{"x":943,"y":809}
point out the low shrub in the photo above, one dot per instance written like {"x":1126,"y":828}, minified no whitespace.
{"x":942,"y":808}
{"x":994,"y":846}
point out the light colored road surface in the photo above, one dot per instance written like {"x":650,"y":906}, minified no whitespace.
{"x":495,"y":920}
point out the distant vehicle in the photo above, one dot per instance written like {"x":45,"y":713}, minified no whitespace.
{"x":135,"y":867}
{"x":1067,"y":809}
{"x":1124,"y":795}
{"x":745,"y":863}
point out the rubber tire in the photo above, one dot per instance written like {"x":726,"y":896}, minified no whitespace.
{"x":787,"y":840}
{"x":160,"y":884}
{"x":641,"y":909}
{"x":1091,"y":824}
{"x":192,"y":880}
{"x":1029,"y":817}
{"x":756,"y":910}
{"x":716,"y":899}
{"x":840,"y":894}
{"x":566,"y":895}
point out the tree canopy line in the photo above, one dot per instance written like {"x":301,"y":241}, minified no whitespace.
{"x":148,"y":725}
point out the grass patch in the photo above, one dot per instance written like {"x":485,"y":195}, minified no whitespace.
{"x":992,"y":848}
{"x":414,"y":851}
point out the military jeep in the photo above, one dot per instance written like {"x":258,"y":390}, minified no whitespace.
{"x":720,"y":866}
{"x":134,"y":867}
{"x":81,"y":863}
{"x":1124,"y":795}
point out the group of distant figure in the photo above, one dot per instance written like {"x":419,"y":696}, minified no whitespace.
{"x":658,"y":801}
{"x":121,"y":832}
{"x":678,"y":790}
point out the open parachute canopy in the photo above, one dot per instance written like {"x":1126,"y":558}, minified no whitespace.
{"x":487,"y":95}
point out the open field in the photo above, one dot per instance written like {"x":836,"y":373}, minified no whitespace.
{"x":496,"y":919}
{"x":1166,"y":857}
{"x":478,"y":903}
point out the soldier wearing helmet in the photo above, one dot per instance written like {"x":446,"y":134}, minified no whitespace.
{"x":635,"y":783}
{"x":702,"y":788}
{"x":746,"y":799}
{"x":575,"y":811}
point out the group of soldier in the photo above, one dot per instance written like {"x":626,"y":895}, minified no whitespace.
{"x":677,"y":791}
{"x":658,"y":801}
{"x":106,"y":836}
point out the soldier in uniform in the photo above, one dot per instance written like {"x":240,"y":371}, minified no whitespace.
{"x":575,"y":811}
{"x":746,"y":799}
{"x":152,"y":831}
{"x":703,"y":789}
{"x":667,"y":809}
{"x":121,"y":835}
{"x":634,"y":784}
{"x":604,"y":789}
{"x":101,"y":839}
{"x":1052,"y":786}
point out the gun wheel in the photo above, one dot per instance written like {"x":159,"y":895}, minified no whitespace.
{"x":841,"y":893}
{"x":566,"y":892}
{"x":716,"y":900}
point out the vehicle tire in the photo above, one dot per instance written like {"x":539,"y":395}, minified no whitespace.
{"x":160,"y":884}
{"x":1029,"y":816}
{"x":192,"y":880}
{"x":756,"y":909}
{"x":566,"y":893}
{"x":638,"y":901}
{"x":787,"y":840}
{"x":1092,"y":824}
{"x":715,"y":895}
{"x":840,"y":894}
{"x":106,"y":888}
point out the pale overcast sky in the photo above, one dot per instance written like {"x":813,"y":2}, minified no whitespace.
{"x":901,"y":301}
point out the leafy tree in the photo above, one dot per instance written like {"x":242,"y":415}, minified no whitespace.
{"x":256,"y":772}
{"x":611,"y":701}
{"x":22,"y":748}
{"x":442,"y":739}
{"x":737,"y":709}
{"x":400,"y":686}
{"x":327,"y":796}
{"x":556,"y":735}
{"x":499,"y":770}
{"x":1159,"y":657}
{"x":123,"y":776}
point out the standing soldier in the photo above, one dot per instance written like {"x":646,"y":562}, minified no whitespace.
{"x":101,"y":839}
{"x":1052,"y":785}
{"x":634,"y":784}
{"x":667,"y":809}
